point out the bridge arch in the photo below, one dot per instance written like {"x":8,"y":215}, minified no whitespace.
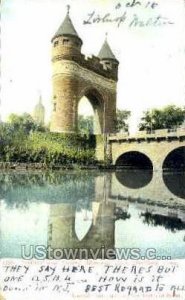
{"x":134,"y":160}
{"x":175,"y":159}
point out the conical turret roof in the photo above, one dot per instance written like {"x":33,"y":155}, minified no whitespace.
{"x":66,"y":28}
{"x":106,"y":52}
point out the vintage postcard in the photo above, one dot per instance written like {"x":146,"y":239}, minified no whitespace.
{"x":92,"y":149}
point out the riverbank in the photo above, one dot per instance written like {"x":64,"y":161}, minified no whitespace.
{"x":43,"y":150}
{"x":19,"y":166}
{"x":43,"y":166}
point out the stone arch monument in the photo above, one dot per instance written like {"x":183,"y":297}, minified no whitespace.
{"x":74,"y":76}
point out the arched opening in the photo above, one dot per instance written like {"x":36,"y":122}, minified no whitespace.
{"x":83,"y":223}
{"x":175,"y":160}
{"x":134,"y":160}
{"x":134,"y":170}
{"x":90,"y":114}
{"x":174,"y":172}
{"x":85,"y":117}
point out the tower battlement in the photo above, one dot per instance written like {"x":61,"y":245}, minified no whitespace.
{"x":92,"y":63}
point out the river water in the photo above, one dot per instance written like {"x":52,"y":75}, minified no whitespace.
{"x":93,"y":209}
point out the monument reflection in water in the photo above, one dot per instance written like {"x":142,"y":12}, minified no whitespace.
{"x":93,"y":210}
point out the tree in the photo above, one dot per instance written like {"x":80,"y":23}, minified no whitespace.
{"x":169,"y":117}
{"x":122,"y":118}
{"x":85,"y":124}
{"x":24,"y":123}
{"x":6,"y":133}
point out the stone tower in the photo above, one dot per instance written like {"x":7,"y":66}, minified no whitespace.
{"x":74,"y":76}
{"x":39,"y":112}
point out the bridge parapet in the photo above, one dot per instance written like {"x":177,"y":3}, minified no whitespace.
{"x":160,"y":134}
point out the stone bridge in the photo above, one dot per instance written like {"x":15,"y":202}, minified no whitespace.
{"x":157,"y":150}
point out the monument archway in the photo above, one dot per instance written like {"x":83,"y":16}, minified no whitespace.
{"x":75,"y":76}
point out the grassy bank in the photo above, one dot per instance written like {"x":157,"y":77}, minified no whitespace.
{"x":48,"y":148}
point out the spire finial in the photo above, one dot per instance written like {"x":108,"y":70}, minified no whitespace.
{"x":106,"y":35}
{"x":68,"y":9}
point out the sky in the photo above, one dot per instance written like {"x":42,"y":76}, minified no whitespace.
{"x":152,"y":58}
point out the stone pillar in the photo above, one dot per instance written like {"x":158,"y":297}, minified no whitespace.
{"x":110,"y":113}
{"x":64,"y":114}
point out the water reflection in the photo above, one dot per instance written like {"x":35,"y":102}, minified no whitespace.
{"x":134,"y":179}
{"x":19,"y":189}
{"x":91,"y":210}
{"x":121,"y":214}
{"x":168,"y":222}
{"x":62,"y":231}
{"x":175,"y":182}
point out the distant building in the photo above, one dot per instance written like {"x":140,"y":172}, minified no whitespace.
{"x":39,"y":112}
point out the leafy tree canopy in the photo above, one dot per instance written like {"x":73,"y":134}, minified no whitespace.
{"x":24,"y":123}
{"x":122,"y":119}
{"x":169,"y":117}
{"x":85,"y":124}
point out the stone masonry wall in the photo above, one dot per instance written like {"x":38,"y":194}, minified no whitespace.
{"x":70,"y":83}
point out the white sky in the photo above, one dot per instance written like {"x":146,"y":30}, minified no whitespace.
{"x":152,"y":60}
